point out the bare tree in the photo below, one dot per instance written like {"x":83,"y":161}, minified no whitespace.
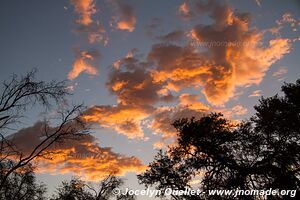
{"x":18,"y":95}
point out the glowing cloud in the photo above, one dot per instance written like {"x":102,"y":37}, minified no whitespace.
{"x":85,"y":8}
{"x":84,"y":62}
{"x":216,"y":59}
{"x":125,"y":18}
{"x":125,"y":120}
{"x":94,"y":32}
{"x":184,"y":10}
{"x":192,"y":102}
{"x":164,"y":117}
{"x":256,"y":93}
{"x":83,"y":156}
{"x":232,"y":55}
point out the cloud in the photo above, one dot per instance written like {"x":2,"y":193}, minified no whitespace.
{"x":159,"y":145}
{"x":189,"y":106}
{"x":287,"y":18}
{"x":125,"y":17}
{"x":214,"y":59}
{"x":83,"y":156}
{"x":256,"y":93}
{"x":185,"y":11}
{"x":153,"y":26}
{"x":238,"y":65}
{"x":134,"y":85}
{"x":85,"y":61}
{"x":136,"y":95}
{"x":85,"y":9}
{"x":94,"y":33}
{"x":164,"y":117}
{"x":222,"y":56}
{"x":176,"y":35}
{"x":239,"y":110}
{"x":280,"y":72}
{"x":192,"y":102}
{"x":290,"y":20}
{"x":258,"y":2}
{"x":193,"y":9}
{"x":124,"y":119}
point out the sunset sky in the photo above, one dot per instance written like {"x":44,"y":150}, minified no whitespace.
{"x":138,"y":65}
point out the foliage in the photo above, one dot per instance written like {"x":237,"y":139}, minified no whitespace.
{"x":22,"y":185}
{"x":260,"y":153}
{"x":77,"y":189}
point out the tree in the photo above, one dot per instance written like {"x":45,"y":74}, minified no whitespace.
{"x":22,"y":185}
{"x":73,"y":190}
{"x":77,"y":189}
{"x":260,"y":153}
{"x":21,"y":93}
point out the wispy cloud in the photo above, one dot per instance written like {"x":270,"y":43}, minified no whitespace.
{"x":93,"y":31}
{"x":85,"y":61}
{"x":281,"y":71}
{"x":185,"y":11}
{"x":258,"y":2}
{"x":256,"y":93}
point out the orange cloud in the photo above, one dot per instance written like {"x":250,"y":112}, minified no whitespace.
{"x":93,"y":31}
{"x":189,"y":106}
{"x":239,"y":110}
{"x":83,"y":156}
{"x":85,"y":8}
{"x":134,"y":85}
{"x":126,"y":120}
{"x":136,"y":95}
{"x":256,"y":93}
{"x":125,"y":18}
{"x":159,"y":145}
{"x":184,"y":10}
{"x":192,"y":102}
{"x":232,"y":55}
{"x":89,"y":161}
{"x":85,"y":61}
{"x":218,"y":58}
{"x":164,"y":117}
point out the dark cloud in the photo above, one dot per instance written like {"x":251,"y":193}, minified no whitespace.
{"x":176,"y":35}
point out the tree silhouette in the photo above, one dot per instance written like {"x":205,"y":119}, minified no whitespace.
{"x":22,"y":185}
{"x":260,"y":153}
{"x":21,"y":93}
{"x":73,"y":190}
{"x":77,"y":189}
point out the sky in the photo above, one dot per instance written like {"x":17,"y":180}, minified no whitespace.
{"x":139,"y":65}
